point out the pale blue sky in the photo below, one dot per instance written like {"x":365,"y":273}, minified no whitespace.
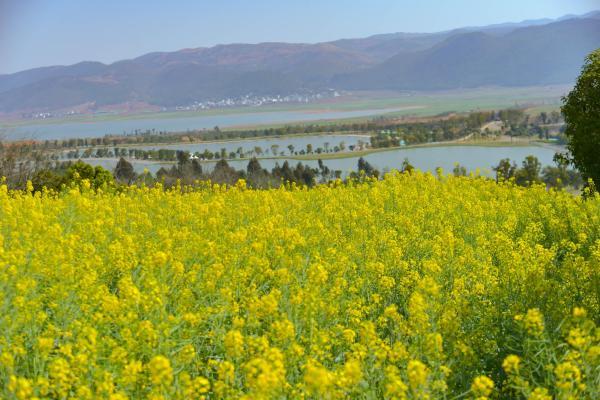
{"x":47,"y":32}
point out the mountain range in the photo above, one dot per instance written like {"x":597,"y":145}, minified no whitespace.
{"x":536,"y":52}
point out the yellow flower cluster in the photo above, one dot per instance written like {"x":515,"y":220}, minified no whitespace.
{"x":411,"y":287}
{"x":482,"y":387}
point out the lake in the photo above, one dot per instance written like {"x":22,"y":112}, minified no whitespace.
{"x":56,"y":131}
{"x":422,"y":158}
{"x":298,"y":142}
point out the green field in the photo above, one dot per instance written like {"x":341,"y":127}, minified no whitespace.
{"x":422,"y":104}
{"x":544,"y":98}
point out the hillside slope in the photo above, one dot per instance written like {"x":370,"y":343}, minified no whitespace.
{"x":506,"y":55}
{"x":538,"y":55}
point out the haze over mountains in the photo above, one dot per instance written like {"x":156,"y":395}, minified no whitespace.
{"x":535,"y":52}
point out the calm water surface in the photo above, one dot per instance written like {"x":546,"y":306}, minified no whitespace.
{"x":424,"y":158}
{"x":92,"y":129}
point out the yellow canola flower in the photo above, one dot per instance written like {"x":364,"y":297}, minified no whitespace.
{"x":318,"y":380}
{"x":351,"y":374}
{"x":21,"y":387}
{"x":160,"y":371}
{"x":567,"y":374}
{"x":417,"y":373}
{"x":482,"y":387}
{"x":579,"y":312}
{"x":406,"y":287}
{"x":511,"y":364}
{"x":234,"y":343}
{"x":395,"y":388}
{"x":539,"y":394}
{"x":533,"y":321}
{"x":131,"y":372}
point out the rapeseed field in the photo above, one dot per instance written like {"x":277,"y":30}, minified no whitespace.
{"x":411,"y":287}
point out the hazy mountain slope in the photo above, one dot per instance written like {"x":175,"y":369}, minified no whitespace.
{"x":20,"y":79}
{"x":382,"y":47}
{"x":505,"y":54}
{"x":387,"y":45}
{"x":57,"y":93}
{"x":536,"y":55}
{"x":181,"y":77}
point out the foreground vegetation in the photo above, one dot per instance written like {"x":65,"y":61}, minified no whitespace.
{"x":410,"y":287}
{"x":62,"y":175}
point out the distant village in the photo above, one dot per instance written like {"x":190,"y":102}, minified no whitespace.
{"x":248,"y":100}
{"x":257,"y":101}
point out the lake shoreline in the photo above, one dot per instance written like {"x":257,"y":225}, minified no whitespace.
{"x":353,"y":154}
{"x":224,"y":141}
{"x":181,"y":125}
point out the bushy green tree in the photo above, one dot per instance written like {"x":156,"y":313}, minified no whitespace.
{"x":505,"y":170}
{"x":124,"y":171}
{"x":459,"y":170}
{"x":48,"y":179}
{"x":530,"y":172}
{"x":581,"y":111}
{"x":365,"y":167}
{"x":97,"y":176}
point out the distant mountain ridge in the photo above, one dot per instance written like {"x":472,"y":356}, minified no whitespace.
{"x":514,"y":54}
{"x":537,"y":55}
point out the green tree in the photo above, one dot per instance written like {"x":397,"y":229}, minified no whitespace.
{"x":196,"y":168}
{"x":366,"y":168}
{"x":224,"y":173}
{"x":253,"y":167}
{"x":505,"y":170}
{"x":459,"y":170}
{"x":102,"y":178}
{"x":97,"y":176}
{"x":530,"y":173}
{"x":79,"y":171}
{"x":183,"y":157}
{"x":257,"y":176}
{"x":124,"y":171}
{"x":46,"y":178}
{"x":581,"y":110}
{"x":275,"y":149}
{"x":407,"y":166}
